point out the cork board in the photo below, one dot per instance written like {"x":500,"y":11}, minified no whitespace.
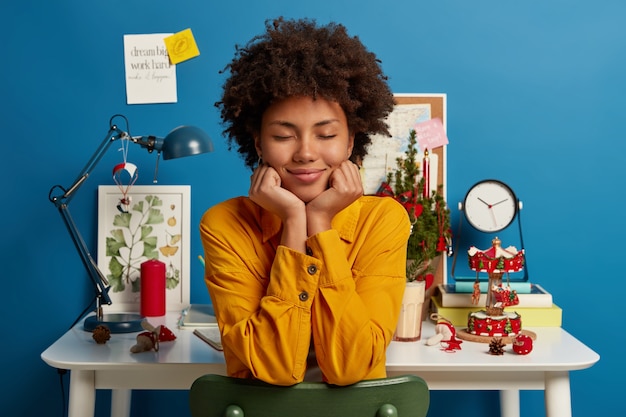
{"x":409,"y":110}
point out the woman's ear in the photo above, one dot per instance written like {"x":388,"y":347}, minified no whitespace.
{"x":350,"y":145}
{"x":257,"y":145}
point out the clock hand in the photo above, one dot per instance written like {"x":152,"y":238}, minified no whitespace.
{"x":493,"y":216}
{"x":484,"y":202}
{"x":501,"y":201}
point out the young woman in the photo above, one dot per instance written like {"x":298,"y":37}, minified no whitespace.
{"x":306,"y":274}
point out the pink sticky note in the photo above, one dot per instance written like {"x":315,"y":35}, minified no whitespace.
{"x":430,"y":134}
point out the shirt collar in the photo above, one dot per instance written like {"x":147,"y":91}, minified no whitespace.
{"x":345,"y":222}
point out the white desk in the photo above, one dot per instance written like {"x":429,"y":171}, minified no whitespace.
{"x":177,"y":364}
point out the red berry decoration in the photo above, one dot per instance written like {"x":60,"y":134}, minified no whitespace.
{"x":522,"y":344}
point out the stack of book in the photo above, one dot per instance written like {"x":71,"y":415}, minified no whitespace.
{"x":536,"y":307}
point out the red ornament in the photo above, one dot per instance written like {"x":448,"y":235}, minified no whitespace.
{"x":522,"y":344}
{"x":442,"y":245}
{"x":166,"y":335}
{"x":429,"y":278}
{"x":407,"y":199}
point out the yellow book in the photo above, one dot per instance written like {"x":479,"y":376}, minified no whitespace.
{"x":531,"y":316}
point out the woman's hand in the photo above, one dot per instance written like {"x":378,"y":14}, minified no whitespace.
{"x":266,"y":191}
{"x":344,"y":188}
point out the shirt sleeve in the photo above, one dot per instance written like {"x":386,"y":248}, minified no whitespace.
{"x":260,"y":293}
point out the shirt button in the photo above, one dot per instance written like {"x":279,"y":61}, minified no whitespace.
{"x":312,"y":269}
{"x":303,"y":296}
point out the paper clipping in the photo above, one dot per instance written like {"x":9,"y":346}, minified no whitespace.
{"x":150,"y":77}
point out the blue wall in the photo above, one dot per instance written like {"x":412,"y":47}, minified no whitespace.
{"x":535,"y":98}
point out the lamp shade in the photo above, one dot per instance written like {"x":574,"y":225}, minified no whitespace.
{"x":186,"y":141}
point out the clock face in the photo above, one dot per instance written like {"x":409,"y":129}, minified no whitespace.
{"x":490,"y":206}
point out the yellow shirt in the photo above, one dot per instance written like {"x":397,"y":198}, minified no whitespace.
{"x":271,"y":302}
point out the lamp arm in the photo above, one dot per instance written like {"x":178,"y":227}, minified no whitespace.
{"x":100,"y":283}
{"x":113,"y":134}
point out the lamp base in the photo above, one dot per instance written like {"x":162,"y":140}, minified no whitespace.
{"x":116,"y":322}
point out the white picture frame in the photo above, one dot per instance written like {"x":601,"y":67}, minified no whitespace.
{"x":154,"y":223}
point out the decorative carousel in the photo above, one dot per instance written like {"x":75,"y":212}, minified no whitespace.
{"x":494,"y":321}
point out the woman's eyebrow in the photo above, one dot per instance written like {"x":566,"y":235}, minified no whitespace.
{"x":326,"y":122}
{"x":285,"y":123}
{"x":282,"y":123}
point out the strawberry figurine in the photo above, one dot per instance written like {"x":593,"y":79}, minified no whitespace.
{"x":522,"y":344}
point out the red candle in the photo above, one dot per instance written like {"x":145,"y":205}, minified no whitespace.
{"x":152,"y":288}
{"x":426,"y":173}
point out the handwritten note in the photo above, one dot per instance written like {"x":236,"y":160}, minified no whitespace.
{"x":430,"y":134}
{"x":150,"y":77}
{"x":181,"y":46}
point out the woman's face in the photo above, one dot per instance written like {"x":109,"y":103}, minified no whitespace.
{"x":304,"y":140}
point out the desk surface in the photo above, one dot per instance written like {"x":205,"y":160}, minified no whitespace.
{"x":177,"y":364}
{"x":554,"y":350}
{"x":76,"y":350}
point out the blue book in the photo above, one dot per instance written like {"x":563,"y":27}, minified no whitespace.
{"x":468,"y":286}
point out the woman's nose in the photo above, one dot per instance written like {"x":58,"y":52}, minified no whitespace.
{"x":306,"y":150}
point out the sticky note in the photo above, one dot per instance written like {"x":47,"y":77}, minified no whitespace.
{"x":181,"y":46}
{"x":430,"y":134}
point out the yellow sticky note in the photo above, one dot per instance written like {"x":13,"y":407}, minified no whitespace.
{"x":181,"y":46}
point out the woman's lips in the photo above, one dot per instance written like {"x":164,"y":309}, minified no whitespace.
{"x":307,"y":175}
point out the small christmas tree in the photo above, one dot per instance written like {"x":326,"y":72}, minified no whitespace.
{"x":428,"y":212}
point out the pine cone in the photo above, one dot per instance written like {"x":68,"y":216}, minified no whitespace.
{"x":496,"y":346}
{"x":101,"y":334}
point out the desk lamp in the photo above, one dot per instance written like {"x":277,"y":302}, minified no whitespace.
{"x":180,"y":142}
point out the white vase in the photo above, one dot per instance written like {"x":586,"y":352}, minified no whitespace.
{"x":409,"y":327}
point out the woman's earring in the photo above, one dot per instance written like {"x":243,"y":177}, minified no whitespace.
{"x":260,"y":161}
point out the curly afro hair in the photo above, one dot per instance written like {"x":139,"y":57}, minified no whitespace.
{"x":300,"y":58}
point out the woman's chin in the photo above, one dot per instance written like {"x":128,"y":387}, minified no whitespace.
{"x":308,"y":195}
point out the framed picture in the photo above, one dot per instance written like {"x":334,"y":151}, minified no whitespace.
{"x":149,"y":222}
{"x":410,"y":110}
